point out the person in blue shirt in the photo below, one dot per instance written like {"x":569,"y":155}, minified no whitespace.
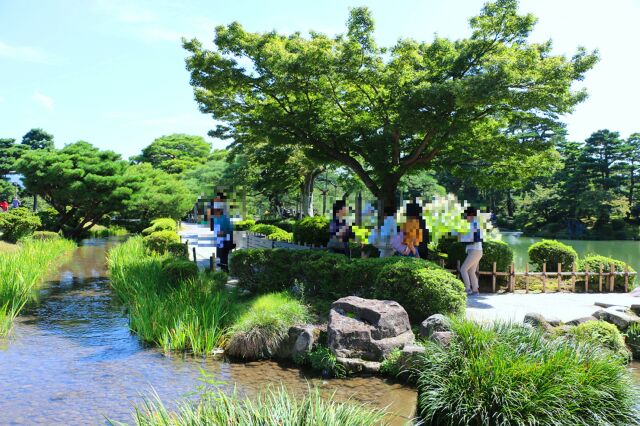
{"x":222,"y":232}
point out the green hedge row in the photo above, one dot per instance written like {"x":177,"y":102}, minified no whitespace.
{"x":421,"y":287}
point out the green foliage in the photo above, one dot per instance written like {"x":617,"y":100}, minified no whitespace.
{"x":10,"y":151}
{"x":281,"y":235}
{"x":178,"y":270}
{"x":178,"y":250}
{"x":21,"y":272}
{"x":270,"y":408}
{"x":161,"y":224}
{"x":603,"y":334}
{"x":159,"y":241}
{"x":48,"y":218}
{"x":244,"y":225}
{"x":312,"y":230}
{"x":259,"y":332}
{"x":286,"y":224}
{"x":552,"y":252}
{"x":390,"y":366}
{"x":322,"y":359}
{"x":99,"y":231}
{"x":422,"y":288}
{"x":593,"y":263}
{"x":536,"y":379}
{"x":492,"y":251}
{"x":176,"y":153}
{"x":38,"y":139}
{"x":7,"y":190}
{"x":45,"y":235}
{"x":633,"y":340}
{"x":192,"y":316}
{"x":264,"y":229}
{"x":18,"y":223}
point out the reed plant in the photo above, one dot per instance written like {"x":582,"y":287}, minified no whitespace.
{"x":273,"y":407}
{"x":22,"y":270}
{"x":504,"y":374}
{"x":192,"y":315}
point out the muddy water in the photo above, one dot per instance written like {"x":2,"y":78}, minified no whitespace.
{"x":72,"y":360}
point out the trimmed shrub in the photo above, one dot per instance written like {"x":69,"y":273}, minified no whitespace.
{"x":286,"y":224}
{"x":422,"y":288}
{"x":552,"y":252}
{"x":603,"y":334}
{"x":312,"y":230}
{"x":18,"y":223}
{"x":492,"y":251}
{"x":178,"y":270}
{"x":259,"y":332}
{"x":281,"y":235}
{"x":178,"y":250}
{"x":265,"y":229}
{"x":45,"y":235}
{"x":159,"y":241}
{"x":244,"y":225}
{"x":497,"y":374}
{"x":161,"y":224}
{"x":48,"y":218}
{"x":594,"y":261}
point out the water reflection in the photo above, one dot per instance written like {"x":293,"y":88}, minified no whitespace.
{"x":72,"y":360}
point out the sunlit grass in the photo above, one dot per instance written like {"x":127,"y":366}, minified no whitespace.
{"x":21,"y":270}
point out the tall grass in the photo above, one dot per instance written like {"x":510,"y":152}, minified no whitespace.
{"x":275,"y":407}
{"x":22,"y":270}
{"x":191,"y":316}
{"x":260,"y":330}
{"x":509,"y":375}
{"x":99,"y":231}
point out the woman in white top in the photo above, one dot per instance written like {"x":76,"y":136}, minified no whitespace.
{"x":473,"y":239}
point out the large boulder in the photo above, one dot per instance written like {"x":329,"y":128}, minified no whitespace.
{"x":299,"y":341}
{"x":368,"y":329}
{"x":537,"y":320}
{"x":618,"y":316}
{"x":433,"y":324}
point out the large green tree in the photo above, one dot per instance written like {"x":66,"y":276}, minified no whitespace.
{"x":383,"y":112}
{"x":176,"y":153}
{"x":10,"y":151}
{"x":38,"y":139}
{"x":80,"y":181}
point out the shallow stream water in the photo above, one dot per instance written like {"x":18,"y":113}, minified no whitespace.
{"x":72,"y":360}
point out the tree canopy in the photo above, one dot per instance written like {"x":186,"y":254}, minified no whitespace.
{"x":176,"y":153}
{"x":38,"y":139}
{"x":382,"y":112}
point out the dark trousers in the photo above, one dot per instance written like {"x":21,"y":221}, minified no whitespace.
{"x":222,"y":253}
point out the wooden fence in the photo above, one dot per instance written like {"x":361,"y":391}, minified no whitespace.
{"x":260,"y":241}
{"x":605,"y":279}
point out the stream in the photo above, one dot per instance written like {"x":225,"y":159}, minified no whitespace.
{"x":71,"y":359}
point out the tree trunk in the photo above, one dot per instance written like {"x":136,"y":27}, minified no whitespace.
{"x":387,"y":195}
{"x":306,"y":191}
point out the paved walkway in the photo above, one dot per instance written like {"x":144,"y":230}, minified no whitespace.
{"x":200,"y":237}
{"x":565,"y":306}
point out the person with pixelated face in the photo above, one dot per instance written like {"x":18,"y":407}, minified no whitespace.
{"x":411,"y":233}
{"x":339,"y":229}
{"x":473,"y":241}
{"x":382,"y":238}
{"x":222,"y":230}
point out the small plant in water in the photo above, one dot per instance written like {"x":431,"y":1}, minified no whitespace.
{"x":323,"y":360}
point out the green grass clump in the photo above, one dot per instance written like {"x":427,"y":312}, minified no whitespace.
{"x":391,"y":363}
{"x":22,"y":270}
{"x":633,"y":340}
{"x":190,"y":317}
{"x":504,"y":374}
{"x":601,"y":333}
{"x":99,"y":231}
{"x":273,"y":407}
{"x":259,"y":332}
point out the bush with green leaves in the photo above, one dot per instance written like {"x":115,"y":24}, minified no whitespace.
{"x":505,"y":374}
{"x":603,"y":334}
{"x":593,"y":262}
{"x":312,"y":230}
{"x":281,"y":235}
{"x":244,"y":225}
{"x":633,"y":340}
{"x":48,"y":218}
{"x":264,"y":229}
{"x":322,"y":359}
{"x":161,"y":224}
{"x":159,"y":241}
{"x":286,"y":224}
{"x":390,"y":366}
{"x":260,"y":330}
{"x":552,"y":252}
{"x":18,"y":223}
{"x":178,"y":269}
{"x":178,"y":250}
{"x":422,"y":288}
{"x":492,"y":251}
{"x":45,"y":235}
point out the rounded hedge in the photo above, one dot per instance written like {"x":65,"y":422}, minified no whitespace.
{"x":244,"y":225}
{"x":593,"y":263}
{"x":45,"y":235}
{"x":48,"y":218}
{"x":422,"y":288}
{"x":492,"y":251}
{"x":159,"y":241}
{"x":281,"y":235}
{"x":312,"y":230}
{"x":264,"y":229}
{"x":552,"y":252}
{"x":18,"y":223}
{"x":178,"y":270}
{"x":178,"y":250}
{"x":602,"y":334}
{"x":161,"y":224}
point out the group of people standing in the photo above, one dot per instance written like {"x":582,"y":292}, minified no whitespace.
{"x":409,"y":239}
{"x":4,"y":205}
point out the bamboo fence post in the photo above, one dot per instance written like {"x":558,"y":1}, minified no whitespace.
{"x":626,"y":278}
{"x":600,"y":279}
{"x":195,"y":260}
{"x":512,"y":278}
{"x":544,"y":277}
{"x":573,"y":278}
{"x":458,"y":268}
{"x":559,"y":276}
{"x":212,"y":263}
{"x":442,"y":263}
{"x":612,"y":277}
{"x":493,"y":278}
{"x":526,"y":278}
{"x":586,"y":279}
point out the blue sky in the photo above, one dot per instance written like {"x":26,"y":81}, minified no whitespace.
{"x":112,"y":71}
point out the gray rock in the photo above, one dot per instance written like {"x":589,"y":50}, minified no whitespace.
{"x":442,"y":338}
{"x":635,"y":309}
{"x":537,"y":320}
{"x":613,"y":315}
{"x":580,"y":320}
{"x":357,"y":365}
{"x":367,"y":329}
{"x":553,"y":321}
{"x":300,"y":339}
{"x":436,"y":322}
{"x":410,"y":350}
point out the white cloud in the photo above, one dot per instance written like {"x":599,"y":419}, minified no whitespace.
{"x":43,"y":100}
{"x":23,"y":53}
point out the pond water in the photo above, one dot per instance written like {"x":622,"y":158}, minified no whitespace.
{"x":71,"y":360}
{"x":628,"y":251}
